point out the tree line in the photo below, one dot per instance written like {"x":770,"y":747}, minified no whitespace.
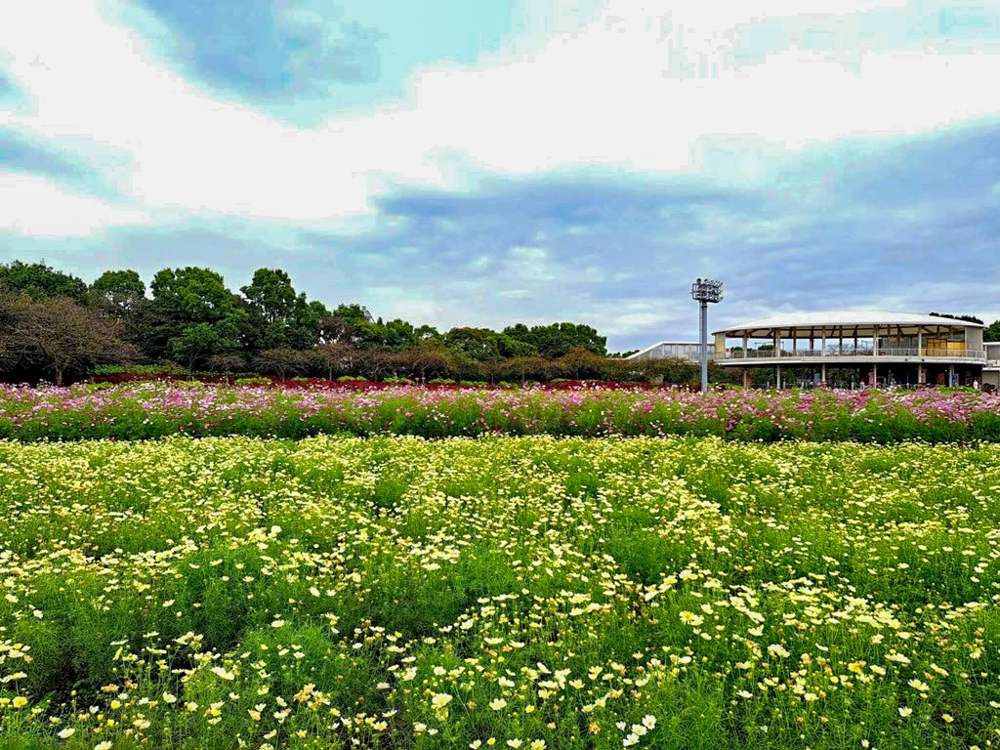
{"x":55,"y":326}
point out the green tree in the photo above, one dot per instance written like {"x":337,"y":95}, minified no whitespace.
{"x":352,"y":314}
{"x":203,"y":342}
{"x":278,"y":316}
{"x":40,"y":281}
{"x":121,"y":295}
{"x":8,"y":319}
{"x":368,"y":336}
{"x":352,"y":324}
{"x":512,"y":347}
{"x":118,"y":293}
{"x":478,"y":344}
{"x":197,"y":295}
{"x":196,"y":299}
{"x":558,"y":339}
{"x":992,"y":332}
{"x":398,"y":335}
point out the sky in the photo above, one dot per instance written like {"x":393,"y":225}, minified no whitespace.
{"x":498,"y":161}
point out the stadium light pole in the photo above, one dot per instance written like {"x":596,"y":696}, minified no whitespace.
{"x":705,"y":291}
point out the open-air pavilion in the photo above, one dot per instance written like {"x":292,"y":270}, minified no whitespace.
{"x":873,"y":347}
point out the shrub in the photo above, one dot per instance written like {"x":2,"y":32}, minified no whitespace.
{"x":252,"y":381}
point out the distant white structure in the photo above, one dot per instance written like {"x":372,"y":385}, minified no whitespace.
{"x":686,"y":350}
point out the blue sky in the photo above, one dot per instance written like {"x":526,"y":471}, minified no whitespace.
{"x":516,"y":160}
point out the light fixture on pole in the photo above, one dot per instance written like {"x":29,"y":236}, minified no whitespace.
{"x":705,"y":291}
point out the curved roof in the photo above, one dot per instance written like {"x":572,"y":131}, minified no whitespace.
{"x":846,"y":318}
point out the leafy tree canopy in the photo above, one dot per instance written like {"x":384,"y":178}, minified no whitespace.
{"x":120,"y":293}
{"x":353,"y":314}
{"x":558,"y":339}
{"x":40,"y":281}
{"x":192,"y":318}
{"x":992,"y":332}
{"x":195,"y":315}
{"x":278,"y":316}
{"x":479,"y":344}
{"x":192,"y":295}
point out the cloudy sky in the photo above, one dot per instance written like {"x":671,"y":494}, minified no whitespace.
{"x":458,"y":162}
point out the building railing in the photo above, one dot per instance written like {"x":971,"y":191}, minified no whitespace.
{"x":850,"y":351}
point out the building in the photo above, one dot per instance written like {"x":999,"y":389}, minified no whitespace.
{"x":991,"y":373}
{"x":687,"y":350}
{"x":863,"y":347}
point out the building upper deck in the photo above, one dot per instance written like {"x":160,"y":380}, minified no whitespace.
{"x":851,"y":338}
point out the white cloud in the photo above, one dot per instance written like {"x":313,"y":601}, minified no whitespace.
{"x":649,"y":87}
{"x":34,"y":206}
{"x":389,"y":302}
{"x":531,"y":264}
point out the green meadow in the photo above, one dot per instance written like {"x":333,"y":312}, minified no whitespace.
{"x":508,"y":592}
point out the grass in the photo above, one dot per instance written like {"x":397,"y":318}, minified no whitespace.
{"x":561,"y":593}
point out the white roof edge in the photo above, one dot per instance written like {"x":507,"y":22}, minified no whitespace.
{"x":846,"y":317}
{"x":660,"y":343}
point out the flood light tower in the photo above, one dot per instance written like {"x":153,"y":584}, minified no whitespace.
{"x":705,"y":291}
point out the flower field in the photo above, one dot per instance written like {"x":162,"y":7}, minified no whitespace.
{"x":509,"y":592}
{"x":146,"y":410}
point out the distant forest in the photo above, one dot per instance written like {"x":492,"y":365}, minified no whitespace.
{"x":56,"y":327}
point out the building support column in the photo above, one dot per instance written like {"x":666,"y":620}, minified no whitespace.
{"x":777,"y":375}
{"x":746,"y":377}
{"x":951,"y":375}
{"x":822,"y":376}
